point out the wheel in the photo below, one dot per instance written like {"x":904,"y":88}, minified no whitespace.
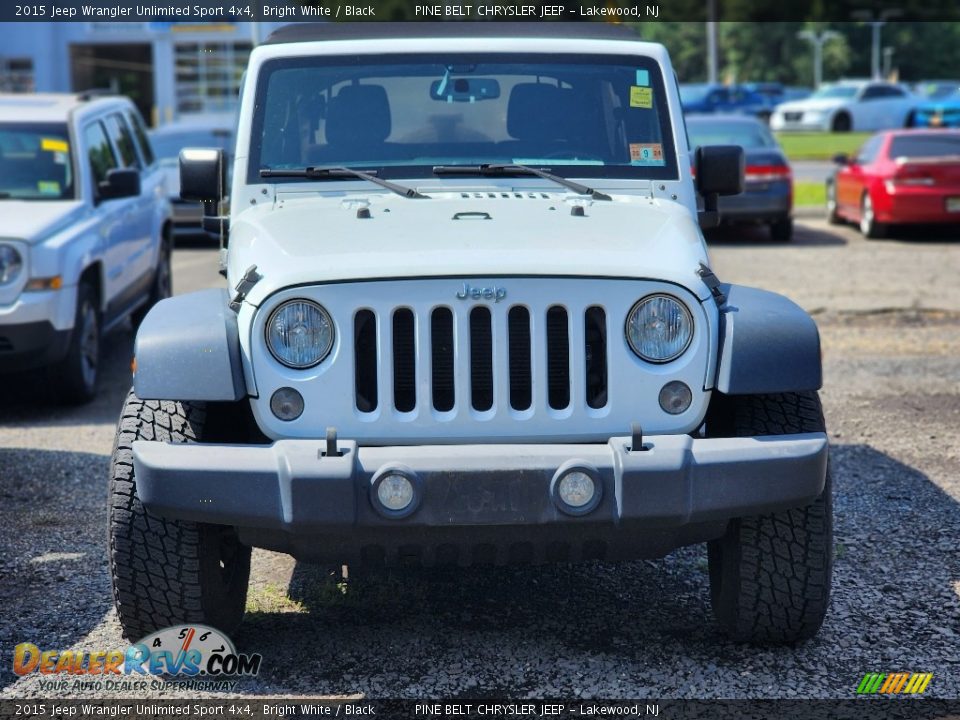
{"x":162,"y":286}
{"x":911,"y":120}
{"x":782,"y":230}
{"x":842,"y":123}
{"x":869,"y":226}
{"x":166,"y":572}
{"x":833,"y":217}
{"x":770,"y":574}
{"x":74,"y":379}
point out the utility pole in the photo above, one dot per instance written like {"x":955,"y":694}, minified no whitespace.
{"x":876,"y":22}
{"x":818,"y":40}
{"x":712,"y":41}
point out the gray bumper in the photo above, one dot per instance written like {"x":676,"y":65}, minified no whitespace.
{"x":292,"y":487}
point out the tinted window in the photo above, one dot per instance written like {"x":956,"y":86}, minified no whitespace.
{"x":35,"y":162}
{"x":123,"y":140}
{"x":146,"y":151}
{"x":99,"y":153}
{"x":924,"y":146}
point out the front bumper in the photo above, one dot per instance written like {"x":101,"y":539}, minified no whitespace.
{"x":290,"y":496}
{"x":26,"y":346}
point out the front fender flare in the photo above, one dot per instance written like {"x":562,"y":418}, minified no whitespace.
{"x":768,"y":344}
{"x":188,"y":348}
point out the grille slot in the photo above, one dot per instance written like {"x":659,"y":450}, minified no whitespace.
{"x":595,"y":341}
{"x":441,"y":340}
{"x":404,"y":361}
{"x":558,"y":358}
{"x":365,"y":360}
{"x":481,"y":359}
{"x":518,"y":340}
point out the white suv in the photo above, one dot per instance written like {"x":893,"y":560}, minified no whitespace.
{"x":469,"y":319}
{"x":84,"y":235}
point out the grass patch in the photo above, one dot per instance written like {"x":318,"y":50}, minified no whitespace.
{"x":819,"y":145}
{"x":807,"y":194}
{"x":271,"y":598}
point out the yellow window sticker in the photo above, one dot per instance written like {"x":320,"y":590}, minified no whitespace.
{"x":48,"y":187}
{"x":641,"y":97}
{"x":53,"y":145}
{"x":646,"y":154}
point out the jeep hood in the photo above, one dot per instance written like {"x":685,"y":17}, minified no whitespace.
{"x":307,"y":238}
{"x":35,"y":220}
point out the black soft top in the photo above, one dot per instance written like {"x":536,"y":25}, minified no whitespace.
{"x":306,"y":32}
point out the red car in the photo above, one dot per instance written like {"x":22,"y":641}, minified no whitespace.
{"x":898,"y":176}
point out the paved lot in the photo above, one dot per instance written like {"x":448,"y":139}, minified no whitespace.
{"x":889,"y":314}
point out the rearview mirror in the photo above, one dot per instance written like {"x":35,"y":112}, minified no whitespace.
{"x":720,"y":171}
{"x":464,"y":89}
{"x":120,"y":183}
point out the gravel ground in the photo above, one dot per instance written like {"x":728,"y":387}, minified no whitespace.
{"x":889,"y":314}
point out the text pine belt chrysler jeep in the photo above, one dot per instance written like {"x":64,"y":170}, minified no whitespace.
{"x":84,"y":233}
{"x":469,"y":319}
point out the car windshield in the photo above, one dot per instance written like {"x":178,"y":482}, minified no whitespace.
{"x":748,"y":135}
{"x":693,"y":93}
{"x":402,"y":115}
{"x":167,"y":145}
{"x":925,"y":146}
{"x":835,"y":91}
{"x":35,"y":162}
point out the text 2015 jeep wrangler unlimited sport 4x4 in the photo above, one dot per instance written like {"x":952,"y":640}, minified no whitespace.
{"x":470,"y":319}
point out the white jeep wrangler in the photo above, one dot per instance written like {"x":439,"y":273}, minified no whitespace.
{"x":84,"y":235}
{"x":469,"y":319}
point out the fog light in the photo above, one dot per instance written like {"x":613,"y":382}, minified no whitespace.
{"x":675,"y":397}
{"x":395,"y":492}
{"x":287,"y":404}
{"x":576,"y":488}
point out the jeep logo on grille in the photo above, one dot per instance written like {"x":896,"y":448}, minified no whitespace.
{"x":494,"y":293}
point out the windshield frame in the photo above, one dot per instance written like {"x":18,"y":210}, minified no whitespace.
{"x":60,"y":128}
{"x":668,"y":171}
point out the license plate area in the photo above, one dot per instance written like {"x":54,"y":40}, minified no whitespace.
{"x":468,"y":499}
{"x":953,"y":204}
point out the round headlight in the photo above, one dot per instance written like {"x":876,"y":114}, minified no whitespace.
{"x":11,"y":263}
{"x":659,"y":328}
{"x":299,"y":333}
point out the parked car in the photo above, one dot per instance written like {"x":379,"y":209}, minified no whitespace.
{"x":204,"y":131}
{"x":935,"y":89}
{"x":943,"y":111}
{"x":906,"y":176}
{"x":847,"y":105}
{"x":715,"y":98}
{"x":469,"y":318}
{"x":768,"y":192}
{"x":84,"y":233}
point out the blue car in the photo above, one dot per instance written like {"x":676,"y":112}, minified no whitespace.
{"x":709,"y":99}
{"x":938,"y":112}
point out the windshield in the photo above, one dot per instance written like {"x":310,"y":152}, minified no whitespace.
{"x":167,"y":145}
{"x":402,"y":115}
{"x":35,"y":162}
{"x":748,"y":135}
{"x":835,"y":91}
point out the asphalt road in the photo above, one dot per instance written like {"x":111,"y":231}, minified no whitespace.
{"x":889,"y":314}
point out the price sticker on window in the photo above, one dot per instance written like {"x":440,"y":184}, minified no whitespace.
{"x":641,"y":97}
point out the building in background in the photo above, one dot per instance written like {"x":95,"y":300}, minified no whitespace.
{"x":170,"y":70}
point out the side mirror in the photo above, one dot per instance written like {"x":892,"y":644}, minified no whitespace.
{"x":720,"y":171}
{"x":203,"y":178}
{"x":841,"y":159}
{"x":120,"y":183}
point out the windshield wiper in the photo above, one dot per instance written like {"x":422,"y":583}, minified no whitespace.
{"x":334,"y":173}
{"x":493,"y":170}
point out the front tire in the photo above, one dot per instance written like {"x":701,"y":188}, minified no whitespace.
{"x":833,"y":216}
{"x":75,"y":378}
{"x":842,"y":123}
{"x":166,"y":572}
{"x":770,"y":574}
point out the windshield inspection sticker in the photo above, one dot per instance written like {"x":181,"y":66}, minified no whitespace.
{"x":641,"y":97}
{"x":48,"y":187}
{"x":643,"y":77}
{"x":646,"y":154}
{"x":52,"y":145}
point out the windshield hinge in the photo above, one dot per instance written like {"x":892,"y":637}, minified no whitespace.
{"x":250,"y":278}
{"x":712,"y":282}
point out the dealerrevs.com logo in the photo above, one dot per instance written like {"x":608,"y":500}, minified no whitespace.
{"x":174,"y":654}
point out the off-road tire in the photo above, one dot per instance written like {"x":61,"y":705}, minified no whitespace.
{"x":782,"y":230}
{"x":75,"y":378}
{"x":770,"y":574}
{"x":166,"y":572}
{"x":162,"y":285}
